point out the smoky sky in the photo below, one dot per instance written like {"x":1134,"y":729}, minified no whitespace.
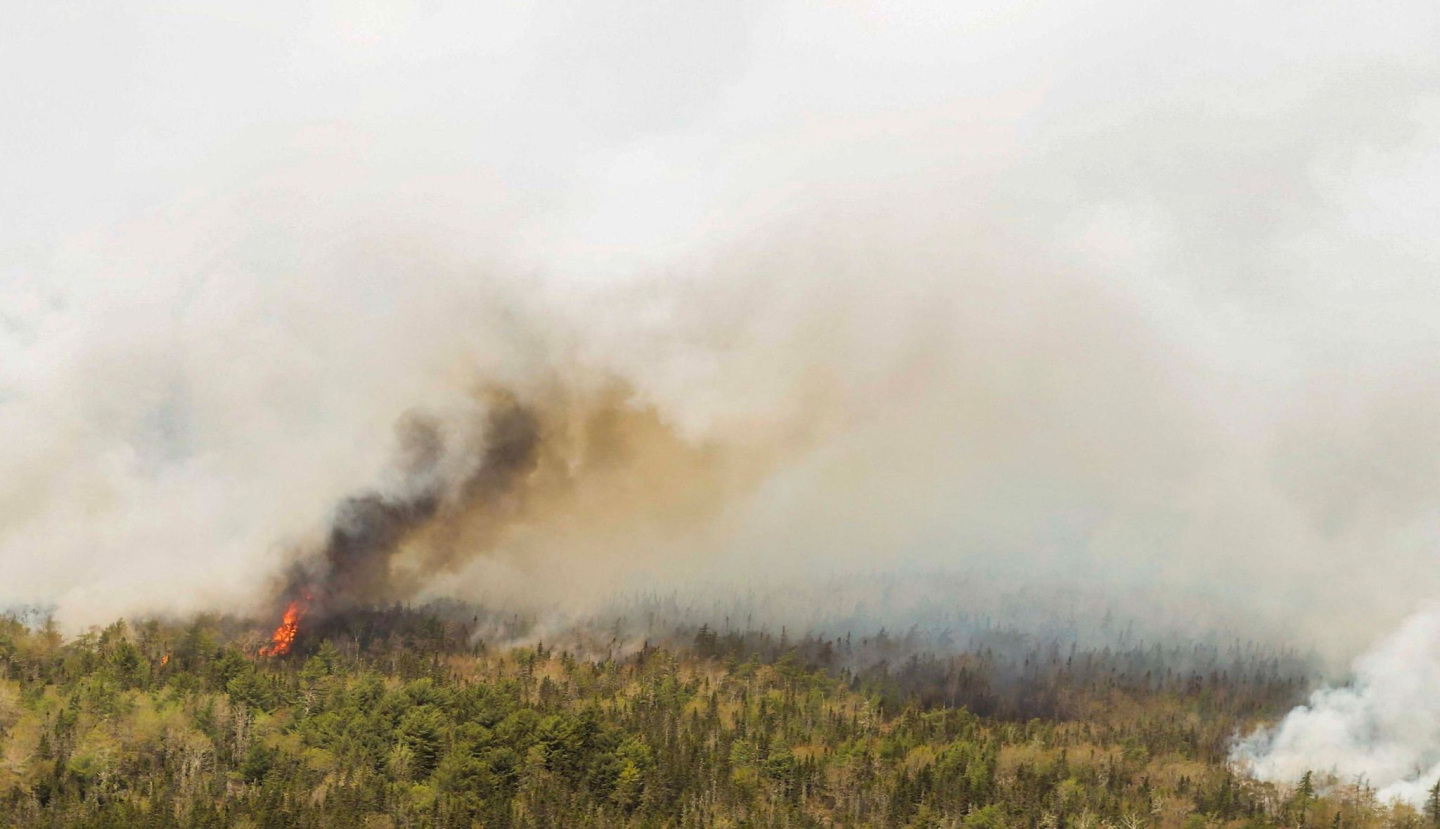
{"x":1134,"y":291}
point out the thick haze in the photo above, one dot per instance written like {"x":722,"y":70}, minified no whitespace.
{"x":1138,"y":293}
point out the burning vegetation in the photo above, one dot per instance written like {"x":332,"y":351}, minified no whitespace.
{"x":354,"y":568}
{"x":284,"y":636}
{"x":570,"y":469}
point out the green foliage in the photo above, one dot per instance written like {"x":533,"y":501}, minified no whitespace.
{"x":159,"y":726}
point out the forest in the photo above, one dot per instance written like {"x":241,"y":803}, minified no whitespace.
{"x":407,"y":718}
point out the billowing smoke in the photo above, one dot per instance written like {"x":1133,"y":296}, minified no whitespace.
{"x":1383,"y":728}
{"x":405,"y":300}
{"x":369,"y":529}
{"x":575,"y":471}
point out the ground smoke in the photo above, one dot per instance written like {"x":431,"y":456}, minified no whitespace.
{"x":1383,"y":727}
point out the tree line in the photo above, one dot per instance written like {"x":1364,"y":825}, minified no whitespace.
{"x":399,"y":718}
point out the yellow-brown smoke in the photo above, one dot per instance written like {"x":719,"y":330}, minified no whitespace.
{"x":595,"y":474}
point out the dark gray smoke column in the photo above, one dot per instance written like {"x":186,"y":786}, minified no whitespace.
{"x":369,"y":530}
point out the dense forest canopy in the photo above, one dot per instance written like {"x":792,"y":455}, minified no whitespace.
{"x":401,"y":717}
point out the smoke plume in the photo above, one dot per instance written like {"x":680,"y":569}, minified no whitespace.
{"x":569,"y":472}
{"x":529,"y":306}
{"x":1382,"y":728}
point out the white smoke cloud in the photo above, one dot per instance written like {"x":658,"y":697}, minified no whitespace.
{"x":1383,"y":727}
{"x":1127,"y":289}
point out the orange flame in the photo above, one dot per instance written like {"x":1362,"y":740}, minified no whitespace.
{"x":165,"y":660}
{"x":284,"y":635}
